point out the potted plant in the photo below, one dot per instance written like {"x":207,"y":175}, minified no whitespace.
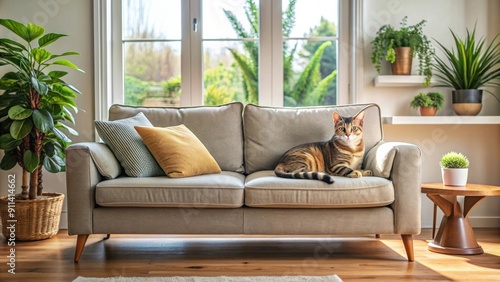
{"x":454,"y":169}
{"x":399,"y":46}
{"x":428,"y":104}
{"x":466,"y":68}
{"x":35,"y":109}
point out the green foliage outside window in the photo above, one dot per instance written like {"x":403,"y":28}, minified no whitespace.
{"x":304,"y":89}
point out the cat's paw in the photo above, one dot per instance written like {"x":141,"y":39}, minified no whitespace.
{"x":355,"y":174}
{"x":367,"y":173}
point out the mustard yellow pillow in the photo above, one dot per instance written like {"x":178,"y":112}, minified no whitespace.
{"x":178,"y":151}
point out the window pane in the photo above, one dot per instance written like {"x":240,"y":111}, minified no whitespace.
{"x":310,"y":64}
{"x":152,"y":73}
{"x":309,"y":12}
{"x":217,"y":15}
{"x":230,"y":50}
{"x":223,"y":81}
{"x":151,"y":19}
{"x":151,"y":52}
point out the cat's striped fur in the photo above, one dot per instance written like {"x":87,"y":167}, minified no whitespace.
{"x":342,"y":155}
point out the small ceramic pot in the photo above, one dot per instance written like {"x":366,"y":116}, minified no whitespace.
{"x":454,"y":176}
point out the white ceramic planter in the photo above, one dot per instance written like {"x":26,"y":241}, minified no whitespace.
{"x":455,"y":176}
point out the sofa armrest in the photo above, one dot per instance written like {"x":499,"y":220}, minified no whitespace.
{"x":82,"y":176}
{"x":401,"y":163}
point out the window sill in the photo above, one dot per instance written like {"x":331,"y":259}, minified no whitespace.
{"x":441,"y":120}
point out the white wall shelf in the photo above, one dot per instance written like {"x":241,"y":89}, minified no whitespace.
{"x":399,"y":81}
{"x":441,"y":120}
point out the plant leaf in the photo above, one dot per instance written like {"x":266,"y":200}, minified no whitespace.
{"x":40,"y":55}
{"x":34,"y":31}
{"x":16,"y":27}
{"x":73,"y":88}
{"x":69,"y":129}
{"x":49,"y":149}
{"x":66,"y":63}
{"x":54,"y":164}
{"x":57,"y":74}
{"x":17,"y":112}
{"x":60,"y":135}
{"x":31,"y":161}
{"x":20,"y":128}
{"x":40,"y":87}
{"x":8,"y":143}
{"x":43,"y":120}
{"x":13,"y":45}
{"x":9,"y":160}
{"x":49,"y":38}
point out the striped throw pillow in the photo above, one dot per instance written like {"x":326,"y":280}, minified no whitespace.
{"x":128,"y":146}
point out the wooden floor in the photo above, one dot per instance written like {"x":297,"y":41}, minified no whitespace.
{"x":353,"y":259}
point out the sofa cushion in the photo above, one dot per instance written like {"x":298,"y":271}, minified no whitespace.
{"x":224,"y":190}
{"x":264,"y":189}
{"x":128,"y":146}
{"x":178,"y":151}
{"x":271,"y":131}
{"x":104,"y":159}
{"x":219,"y":128}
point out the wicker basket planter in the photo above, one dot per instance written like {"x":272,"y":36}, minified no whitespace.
{"x":35,"y":219}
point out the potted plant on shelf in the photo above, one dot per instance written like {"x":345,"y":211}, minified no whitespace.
{"x":428,"y":104}
{"x":399,"y":46}
{"x":454,"y":169}
{"x":466,"y":68}
{"x":34,"y":110}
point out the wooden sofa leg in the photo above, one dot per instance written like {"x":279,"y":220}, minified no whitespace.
{"x":80,"y":244}
{"x":408,"y":243}
{"x":107,"y":236}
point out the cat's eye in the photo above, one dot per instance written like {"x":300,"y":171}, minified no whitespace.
{"x":342,"y":128}
{"x":355,"y":128}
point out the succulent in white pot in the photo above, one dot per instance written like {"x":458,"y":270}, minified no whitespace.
{"x":454,"y":169}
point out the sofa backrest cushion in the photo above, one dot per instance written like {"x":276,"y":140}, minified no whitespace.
{"x":271,"y":131}
{"x":219,"y":128}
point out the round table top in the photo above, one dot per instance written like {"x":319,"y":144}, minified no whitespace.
{"x":469,"y":190}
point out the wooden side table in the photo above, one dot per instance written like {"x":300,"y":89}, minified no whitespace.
{"x":455,"y":235}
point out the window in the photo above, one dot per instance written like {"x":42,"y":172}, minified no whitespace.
{"x":195,"y":52}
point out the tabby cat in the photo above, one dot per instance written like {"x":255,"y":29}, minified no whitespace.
{"x":342,"y":155}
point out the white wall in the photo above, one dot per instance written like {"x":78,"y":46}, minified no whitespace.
{"x":479,"y":142}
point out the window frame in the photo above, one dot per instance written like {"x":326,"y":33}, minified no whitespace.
{"x":108,"y":57}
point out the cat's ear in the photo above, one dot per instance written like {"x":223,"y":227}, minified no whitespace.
{"x":336,"y":117}
{"x":359,"y":117}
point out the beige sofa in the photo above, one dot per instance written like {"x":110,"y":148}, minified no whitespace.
{"x":247,"y":198}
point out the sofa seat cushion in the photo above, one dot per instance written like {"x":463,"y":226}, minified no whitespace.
{"x":224,"y":190}
{"x":264,"y":189}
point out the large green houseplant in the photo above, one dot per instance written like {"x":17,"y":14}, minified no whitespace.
{"x":35,"y":107}
{"x":466,"y":68}
{"x":408,"y":41}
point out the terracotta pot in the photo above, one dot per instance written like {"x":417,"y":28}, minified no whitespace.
{"x":428,"y":111}
{"x":404,"y":58}
{"x":467,"y":102}
{"x":454,"y":176}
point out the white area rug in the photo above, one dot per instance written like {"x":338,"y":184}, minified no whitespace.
{"x":331,"y":278}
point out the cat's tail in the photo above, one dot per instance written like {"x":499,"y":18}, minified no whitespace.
{"x":304,"y":175}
